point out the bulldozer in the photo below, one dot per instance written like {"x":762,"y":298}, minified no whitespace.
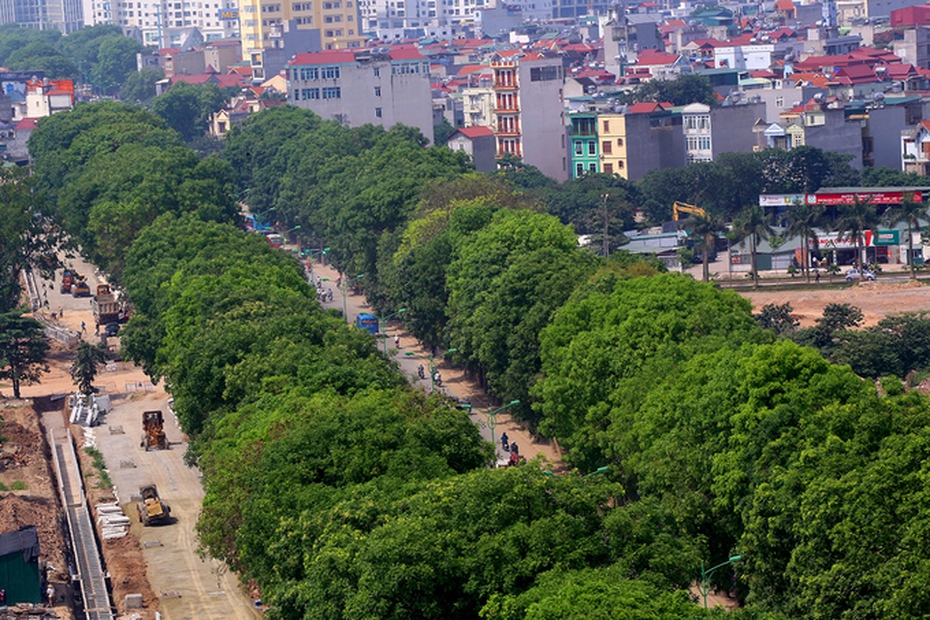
{"x":152,"y":511}
{"x":153,"y":427}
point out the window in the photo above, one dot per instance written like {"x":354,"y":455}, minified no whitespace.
{"x":309,"y":73}
{"x":592,"y":148}
{"x":606,"y":126}
{"x":545,"y":74}
{"x":608,"y":168}
{"x":378,"y":112}
{"x":330,"y":73}
{"x":779,"y":102}
{"x":579,"y":170}
{"x":592,"y":167}
{"x":332,"y":92}
{"x":579,"y":148}
{"x":377,"y":91}
{"x":620,"y":165}
{"x":606,"y":147}
{"x":377,"y":72}
{"x":619,"y":141}
{"x":311,"y":93}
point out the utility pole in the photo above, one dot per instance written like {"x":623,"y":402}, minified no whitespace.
{"x":606,"y":227}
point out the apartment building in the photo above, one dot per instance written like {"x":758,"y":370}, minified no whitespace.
{"x":64,"y":15}
{"x":708,"y":132}
{"x":164,"y":23}
{"x":641,"y":138}
{"x":528,"y":119}
{"x":583,"y":138}
{"x":382,"y":87}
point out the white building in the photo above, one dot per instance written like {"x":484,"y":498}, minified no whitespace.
{"x":382,"y":87}
{"x":161,"y":23}
{"x":755,"y":57}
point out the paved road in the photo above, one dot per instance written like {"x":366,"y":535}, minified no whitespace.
{"x":455,"y":383}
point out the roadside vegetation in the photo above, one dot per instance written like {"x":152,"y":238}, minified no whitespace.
{"x":347,"y":494}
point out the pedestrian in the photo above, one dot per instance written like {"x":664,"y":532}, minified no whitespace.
{"x":83,"y":327}
{"x":97,"y":329}
{"x":50,"y":593}
{"x":397,"y":341}
{"x":61,"y":314}
{"x":817,"y":276}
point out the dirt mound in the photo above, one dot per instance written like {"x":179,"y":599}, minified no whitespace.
{"x":17,"y":511}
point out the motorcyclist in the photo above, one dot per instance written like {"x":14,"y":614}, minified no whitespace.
{"x":505,"y":442}
{"x":437,"y":379}
{"x":421,"y":372}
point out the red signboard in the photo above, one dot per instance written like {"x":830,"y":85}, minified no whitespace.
{"x":876,"y":198}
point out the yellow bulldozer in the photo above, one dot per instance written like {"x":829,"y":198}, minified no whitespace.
{"x":153,"y":431}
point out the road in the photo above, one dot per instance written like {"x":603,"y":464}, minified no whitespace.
{"x":455,"y":383}
{"x":188,"y":585}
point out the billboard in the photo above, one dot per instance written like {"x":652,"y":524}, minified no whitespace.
{"x":876,"y":198}
{"x":228,"y":14}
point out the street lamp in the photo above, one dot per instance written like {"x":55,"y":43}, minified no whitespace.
{"x":382,"y":320}
{"x":599,"y":470}
{"x":705,"y":575}
{"x":345,"y":288}
{"x":311,"y":253}
{"x":492,"y":421}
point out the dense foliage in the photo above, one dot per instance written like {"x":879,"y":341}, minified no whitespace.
{"x":347,"y":494}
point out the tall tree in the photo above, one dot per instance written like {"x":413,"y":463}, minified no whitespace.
{"x":22,"y":349}
{"x":704,"y":230}
{"x":804,"y":219}
{"x":86,"y":364}
{"x":753,"y":226}
{"x":912,"y":213}
{"x":854,"y":220}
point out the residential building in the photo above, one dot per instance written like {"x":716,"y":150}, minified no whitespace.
{"x":478,"y":143}
{"x":583,"y":144}
{"x":820,"y":124}
{"x":641,"y":138}
{"x":914,"y":48}
{"x":265,"y":24}
{"x":710,"y":131}
{"x":218,"y":56}
{"x":755,"y":57}
{"x":917,"y":15}
{"x":163,"y":23}
{"x":357,"y":87}
{"x":915,"y":149}
{"x":478,"y":105}
{"x":235,"y":114}
{"x":528,"y":114}
{"x":46,"y":97}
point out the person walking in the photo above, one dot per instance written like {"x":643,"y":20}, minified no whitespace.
{"x":83,"y":327}
{"x":397,"y":341}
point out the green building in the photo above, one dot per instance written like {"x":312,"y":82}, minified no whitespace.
{"x":585,"y":155}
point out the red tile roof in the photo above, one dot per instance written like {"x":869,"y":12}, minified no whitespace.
{"x":26,"y":124}
{"x":475,"y":131}
{"x":329,"y":57}
{"x":406,"y":52}
{"x":648,"y":107}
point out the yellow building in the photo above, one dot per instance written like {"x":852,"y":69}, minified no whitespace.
{"x":261,"y":23}
{"x":613,"y":144}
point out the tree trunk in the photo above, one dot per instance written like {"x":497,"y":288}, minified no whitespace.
{"x":706,"y":260}
{"x":806,"y":256}
{"x":910,"y":251}
{"x":752,"y":262}
{"x":15,"y":378}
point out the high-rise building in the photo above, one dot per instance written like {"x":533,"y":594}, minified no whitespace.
{"x":64,"y":15}
{"x":165,"y":23}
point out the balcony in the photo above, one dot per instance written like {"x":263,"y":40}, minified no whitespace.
{"x":508,"y":131}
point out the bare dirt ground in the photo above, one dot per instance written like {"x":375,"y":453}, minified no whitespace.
{"x":876,"y":299}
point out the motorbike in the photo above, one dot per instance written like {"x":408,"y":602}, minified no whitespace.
{"x":437,"y":379}
{"x":421,"y":372}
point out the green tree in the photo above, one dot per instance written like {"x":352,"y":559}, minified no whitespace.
{"x":139,"y":87}
{"x":116,"y":60}
{"x":83,"y":46}
{"x":28,"y":237}
{"x":804,"y":220}
{"x":22,"y":349}
{"x":704,"y":230}
{"x":86,"y":364}
{"x":853,"y":220}
{"x":912,"y":213}
{"x":685,"y":89}
{"x":43,"y":56}
{"x":181,"y":108}
{"x":752,"y":225}
{"x":778,"y":318}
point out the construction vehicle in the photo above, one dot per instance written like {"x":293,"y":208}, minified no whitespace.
{"x":152,"y":511}
{"x":67,"y":279}
{"x":683,"y":207}
{"x":153,"y":427}
{"x":106,"y":308}
{"x":80,"y":288}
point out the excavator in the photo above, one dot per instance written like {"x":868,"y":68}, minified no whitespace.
{"x":683,"y":207}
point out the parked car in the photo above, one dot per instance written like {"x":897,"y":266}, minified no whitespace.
{"x":853,"y":274}
{"x":112,"y":329}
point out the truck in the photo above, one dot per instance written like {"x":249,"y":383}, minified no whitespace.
{"x":67,"y":279}
{"x":80,"y":288}
{"x":368,"y":322}
{"x":106,"y":307}
{"x":152,"y":511}
{"x":153,"y":431}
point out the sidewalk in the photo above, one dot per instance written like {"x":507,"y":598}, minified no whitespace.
{"x":454,"y":381}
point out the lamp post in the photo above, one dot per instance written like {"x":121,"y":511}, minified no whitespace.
{"x":382,"y":324}
{"x":705,"y":575}
{"x":492,"y":421}
{"x":311,"y":253}
{"x":345,"y":294}
{"x":432,"y":368}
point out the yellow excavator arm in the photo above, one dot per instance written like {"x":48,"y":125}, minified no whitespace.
{"x":682,"y":207}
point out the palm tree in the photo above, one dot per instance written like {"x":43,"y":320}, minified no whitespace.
{"x":855,"y":219}
{"x":804,"y":221}
{"x":913,"y":213}
{"x":751,"y":224}
{"x":704,"y":231}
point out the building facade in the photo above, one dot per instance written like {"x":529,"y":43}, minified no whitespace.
{"x":708,"y":132}
{"x":163,"y":23}
{"x":364,"y":86}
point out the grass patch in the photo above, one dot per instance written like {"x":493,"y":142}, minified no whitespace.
{"x":18,"y":485}
{"x":100,"y":466}
{"x":3,"y":487}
